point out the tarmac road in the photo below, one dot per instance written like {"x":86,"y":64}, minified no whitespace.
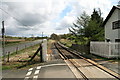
{"x":20,"y":46}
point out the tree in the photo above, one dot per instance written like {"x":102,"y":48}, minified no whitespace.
{"x":55,"y":37}
{"x":94,"y":31}
{"x":88,"y":28}
{"x":78,"y":30}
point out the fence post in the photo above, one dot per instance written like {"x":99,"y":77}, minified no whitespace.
{"x":25,"y":46}
{"x":8,"y":57}
{"x":16,"y":49}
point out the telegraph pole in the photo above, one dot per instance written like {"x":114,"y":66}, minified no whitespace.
{"x":42,"y":37}
{"x":3,"y":40}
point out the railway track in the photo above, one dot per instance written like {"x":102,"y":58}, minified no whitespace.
{"x":84,"y":68}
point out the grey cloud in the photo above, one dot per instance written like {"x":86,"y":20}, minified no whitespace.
{"x":17,"y":31}
{"x":63,"y":25}
{"x":59,"y":28}
{"x":24,"y":28}
{"x":28,"y":14}
{"x":16,"y":10}
{"x":11,"y":31}
{"x":32,"y":19}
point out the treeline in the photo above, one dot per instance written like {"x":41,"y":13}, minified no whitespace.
{"x":26,"y":38}
{"x":11,"y":37}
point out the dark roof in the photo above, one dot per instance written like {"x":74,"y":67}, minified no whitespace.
{"x":110,"y":14}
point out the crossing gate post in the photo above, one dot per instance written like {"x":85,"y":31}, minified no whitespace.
{"x":44,"y":50}
{"x":41,"y":57}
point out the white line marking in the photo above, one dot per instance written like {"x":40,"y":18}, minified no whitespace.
{"x":39,"y":67}
{"x":26,"y":78}
{"x":30,"y":69}
{"x":53,"y":65}
{"x":35,"y":77}
{"x":37,"y":72}
{"x":29,"y":73}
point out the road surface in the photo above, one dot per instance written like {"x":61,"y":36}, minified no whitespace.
{"x":20,"y":46}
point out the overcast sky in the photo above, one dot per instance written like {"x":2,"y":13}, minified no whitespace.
{"x":48,"y":16}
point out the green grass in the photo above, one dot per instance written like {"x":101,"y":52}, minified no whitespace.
{"x":7,"y":42}
{"x":6,"y":67}
{"x":67,"y":43}
{"x":14,"y":65}
{"x":0,"y":67}
{"x":14,"y":53}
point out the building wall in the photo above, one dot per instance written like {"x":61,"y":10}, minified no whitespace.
{"x":109,"y":32}
{"x":119,"y":29}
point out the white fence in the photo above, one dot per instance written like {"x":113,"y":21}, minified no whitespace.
{"x":105,"y":49}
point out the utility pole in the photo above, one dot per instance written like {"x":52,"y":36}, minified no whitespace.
{"x":42,"y":37}
{"x":32,"y":36}
{"x":3,"y":40}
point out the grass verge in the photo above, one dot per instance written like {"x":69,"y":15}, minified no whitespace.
{"x":20,"y":60}
{"x":66,"y":42}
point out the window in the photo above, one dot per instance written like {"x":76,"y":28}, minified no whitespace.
{"x":108,"y":40}
{"x":116,"y":24}
{"x":117,"y":40}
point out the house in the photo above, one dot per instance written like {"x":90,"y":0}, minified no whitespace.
{"x":111,"y":47}
{"x":112,"y":25}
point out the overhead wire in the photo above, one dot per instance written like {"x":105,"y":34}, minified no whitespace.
{"x":13,"y":17}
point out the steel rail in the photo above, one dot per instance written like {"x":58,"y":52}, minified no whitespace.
{"x":66,"y":58}
{"x":117,"y":77}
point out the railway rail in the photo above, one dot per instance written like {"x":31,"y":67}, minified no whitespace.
{"x":84,"y":68}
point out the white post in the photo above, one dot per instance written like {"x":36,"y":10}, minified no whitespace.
{"x":44,"y":49}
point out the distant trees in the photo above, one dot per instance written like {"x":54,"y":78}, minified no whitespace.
{"x":88,"y":28}
{"x":55,"y":37}
{"x":45,"y":37}
{"x":11,"y":37}
{"x":26,"y":38}
{"x":65,"y":36}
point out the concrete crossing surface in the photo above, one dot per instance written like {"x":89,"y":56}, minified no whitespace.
{"x":49,"y":71}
